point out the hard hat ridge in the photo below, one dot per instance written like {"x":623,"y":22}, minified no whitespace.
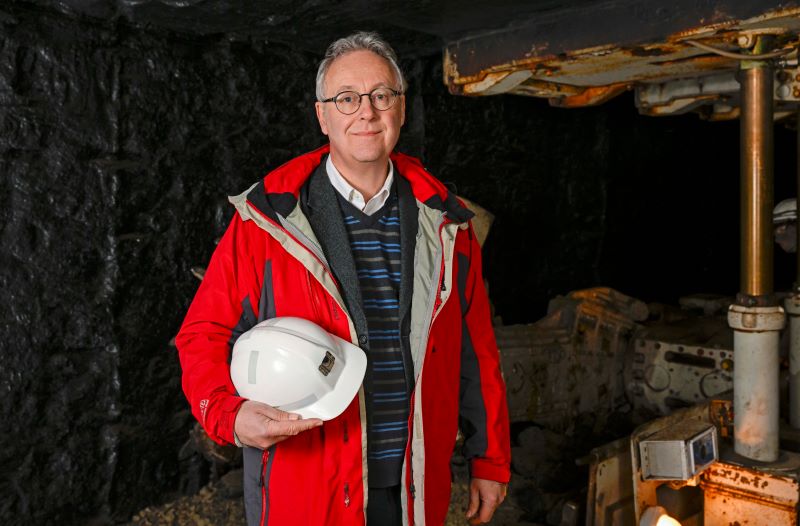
{"x":785,"y":211}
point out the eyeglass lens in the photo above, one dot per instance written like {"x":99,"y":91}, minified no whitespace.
{"x":348,"y":102}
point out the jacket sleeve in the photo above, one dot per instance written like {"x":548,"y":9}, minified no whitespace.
{"x":220,"y":312}
{"x":483,"y":410}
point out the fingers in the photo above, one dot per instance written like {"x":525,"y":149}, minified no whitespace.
{"x":487,"y":509}
{"x":261,"y":425}
{"x":474,"y":502}
{"x":276,"y":428}
{"x":484,"y":498}
{"x":273,"y":413}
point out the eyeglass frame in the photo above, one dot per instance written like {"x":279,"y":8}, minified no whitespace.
{"x":395,"y":93}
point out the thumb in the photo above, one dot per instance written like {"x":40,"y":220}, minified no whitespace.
{"x":474,"y":501}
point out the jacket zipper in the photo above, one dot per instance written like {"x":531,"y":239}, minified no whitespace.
{"x":264,"y":460}
{"x":314,"y":298}
{"x":346,"y":495}
{"x":439,"y":277}
{"x":441,"y":287}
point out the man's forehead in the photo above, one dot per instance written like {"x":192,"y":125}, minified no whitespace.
{"x":356,"y":87}
{"x":357,"y":68}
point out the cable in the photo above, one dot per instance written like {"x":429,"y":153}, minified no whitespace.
{"x":739,"y":56}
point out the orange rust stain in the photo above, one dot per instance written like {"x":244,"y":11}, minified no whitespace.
{"x":702,"y":61}
{"x":590,"y":96}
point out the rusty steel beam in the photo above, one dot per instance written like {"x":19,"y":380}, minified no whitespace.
{"x":621,"y":22}
{"x":581,"y":57}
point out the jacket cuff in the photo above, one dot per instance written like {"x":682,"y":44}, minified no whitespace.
{"x":229,"y":408}
{"x":484,"y":469}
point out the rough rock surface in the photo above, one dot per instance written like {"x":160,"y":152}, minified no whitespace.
{"x":116,"y":152}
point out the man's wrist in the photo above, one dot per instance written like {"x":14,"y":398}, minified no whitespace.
{"x":483,"y":469}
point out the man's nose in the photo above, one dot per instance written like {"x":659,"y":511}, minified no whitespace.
{"x":365,"y":110}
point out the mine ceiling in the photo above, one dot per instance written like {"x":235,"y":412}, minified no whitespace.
{"x":415,"y":27}
{"x":677,"y":56}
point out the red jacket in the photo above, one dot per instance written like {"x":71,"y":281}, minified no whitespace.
{"x":266,"y":265}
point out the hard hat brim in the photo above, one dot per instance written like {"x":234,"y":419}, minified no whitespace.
{"x":336,"y":401}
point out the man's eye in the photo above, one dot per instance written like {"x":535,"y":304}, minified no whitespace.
{"x":347,"y":99}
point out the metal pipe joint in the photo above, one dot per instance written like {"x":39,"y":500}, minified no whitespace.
{"x":755,"y":378}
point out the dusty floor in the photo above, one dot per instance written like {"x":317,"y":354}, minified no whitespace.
{"x":220,"y":504}
{"x":543,"y":480}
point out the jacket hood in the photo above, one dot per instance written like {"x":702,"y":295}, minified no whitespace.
{"x":277,"y":193}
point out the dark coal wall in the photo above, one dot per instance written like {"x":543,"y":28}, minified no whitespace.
{"x":117,"y":149}
{"x":118,"y":145}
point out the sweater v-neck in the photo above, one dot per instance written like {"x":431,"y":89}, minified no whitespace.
{"x":368,"y":220}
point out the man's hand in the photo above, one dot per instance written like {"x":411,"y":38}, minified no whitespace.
{"x":484,"y":497}
{"x":260,"y":425}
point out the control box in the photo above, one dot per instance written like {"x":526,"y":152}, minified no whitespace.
{"x":679,"y":452}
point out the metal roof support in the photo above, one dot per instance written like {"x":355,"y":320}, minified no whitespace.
{"x":755,"y":318}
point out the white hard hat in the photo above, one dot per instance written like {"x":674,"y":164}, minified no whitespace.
{"x":295,"y":365}
{"x":785,"y":211}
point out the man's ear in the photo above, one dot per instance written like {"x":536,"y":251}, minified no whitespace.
{"x":402,"y":110}
{"x":320,"y":109}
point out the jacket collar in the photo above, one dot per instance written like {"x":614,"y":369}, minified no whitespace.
{"x":321,"y":207}
{"x":279,"y":190}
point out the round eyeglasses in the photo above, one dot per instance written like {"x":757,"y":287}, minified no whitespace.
{"x":348,"y":102}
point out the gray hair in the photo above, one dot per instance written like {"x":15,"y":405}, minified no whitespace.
{"x":361,"y":40}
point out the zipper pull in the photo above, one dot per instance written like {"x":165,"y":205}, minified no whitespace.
{"x":346,"y":495}
{"x":413,"y":491}
{"x":444,"y":287}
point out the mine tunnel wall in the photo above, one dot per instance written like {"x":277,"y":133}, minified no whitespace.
{"x":118,"y":147}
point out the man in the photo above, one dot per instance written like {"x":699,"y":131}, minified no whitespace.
{"x":784,"y":221}
{"x":367,"y":244}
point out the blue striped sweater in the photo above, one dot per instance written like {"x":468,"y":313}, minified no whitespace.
{"x":375,"y":245}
